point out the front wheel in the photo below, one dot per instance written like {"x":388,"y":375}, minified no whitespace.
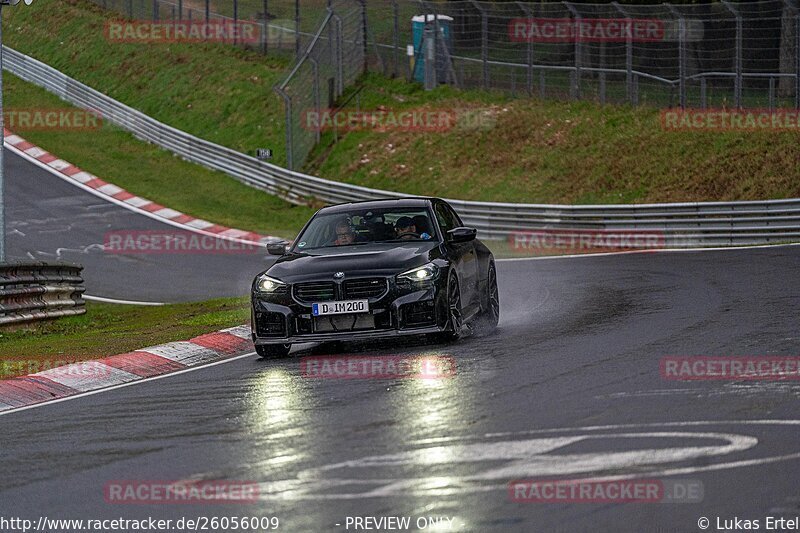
{"x":454,"y":311}
{"x":273,"y":351}
{"x":489,"y":317}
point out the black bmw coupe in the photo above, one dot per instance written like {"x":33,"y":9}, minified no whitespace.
{"x":375,"y":269}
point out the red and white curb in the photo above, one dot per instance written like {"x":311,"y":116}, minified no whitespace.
{"x":70,"y":173}
{"x":86,"y":376}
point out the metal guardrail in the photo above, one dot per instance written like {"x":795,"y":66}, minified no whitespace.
{"x":39,"y":291}
{"x":683,"y":224}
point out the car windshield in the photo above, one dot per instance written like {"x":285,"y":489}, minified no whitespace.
{"x":357,"y":227}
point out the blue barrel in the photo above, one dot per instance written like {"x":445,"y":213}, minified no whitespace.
{"x":418,"y":24}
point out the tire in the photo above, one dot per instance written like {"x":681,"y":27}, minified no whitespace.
{"x":273,"y":351}
{"x":454,"y":310}
{"x":487,"y":321}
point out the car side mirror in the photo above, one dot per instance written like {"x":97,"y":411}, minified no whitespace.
{"x":462,"y":234}
{"x":277,"y":248}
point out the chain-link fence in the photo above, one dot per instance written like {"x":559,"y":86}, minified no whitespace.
{"x":697,"y":55}
{"x":333,"y":60}
{"x":708,"y":55}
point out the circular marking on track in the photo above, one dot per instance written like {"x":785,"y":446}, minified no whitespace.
{"x":464,"y":465}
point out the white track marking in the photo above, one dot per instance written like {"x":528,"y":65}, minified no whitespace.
{"x":87,"y":375}
{"x":137,"y":201}
{"x":167,"y":212}
{"x":110,"y":189}
{"x":83,"y":177}
{"x":116,"y":301}
{"x":243,"y":332}
{"x":541,"y":461}
{"x":35,"y":151}
{"x":199,"y":224}
{"x":183,"y":352}
{"x":115,"y":387}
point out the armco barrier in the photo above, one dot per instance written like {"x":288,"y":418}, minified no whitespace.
{"x":684,"y":224}
{"x":38,"y":291}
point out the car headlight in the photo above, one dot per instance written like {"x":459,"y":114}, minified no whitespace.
{"x":265,"y":283}
{"x":427,"y":272}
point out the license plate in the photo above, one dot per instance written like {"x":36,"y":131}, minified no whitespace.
{"x":340,"y":308}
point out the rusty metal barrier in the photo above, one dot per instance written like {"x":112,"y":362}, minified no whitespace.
{"x":38,"y":291}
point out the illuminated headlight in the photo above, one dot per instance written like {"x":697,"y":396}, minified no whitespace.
{"x":265,"y":283}
{"x":426,"y":272}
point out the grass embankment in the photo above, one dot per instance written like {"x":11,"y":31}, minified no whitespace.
{"x":109,"y":329}
{"x":153,"y":173}
{"x":558,"y":152}
{"x":529,"y":151}
{"x":213,"y":90}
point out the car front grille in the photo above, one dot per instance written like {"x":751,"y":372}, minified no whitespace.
{"x":365,"y":288}
{"x":314,"y":291}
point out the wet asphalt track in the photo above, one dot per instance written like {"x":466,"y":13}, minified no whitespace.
{"x":576,"y":355}
{"x":49,"y":219}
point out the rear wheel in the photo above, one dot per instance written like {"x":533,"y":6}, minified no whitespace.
{"x":489,"y":317}
{"x":273,"y":351}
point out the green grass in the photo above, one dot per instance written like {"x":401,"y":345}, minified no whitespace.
{"x":213,"y":90}
{"x":109,"y":329}
{"x":153,"y":173}
{"x":556,"y":152}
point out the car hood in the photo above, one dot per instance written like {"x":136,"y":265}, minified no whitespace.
{"x":361,"y":260}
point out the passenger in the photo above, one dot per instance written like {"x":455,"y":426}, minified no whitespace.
{"x":344,"y":233}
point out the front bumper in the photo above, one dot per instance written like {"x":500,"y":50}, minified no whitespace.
{"x":347,"y":336}
{"x":409,"y":310}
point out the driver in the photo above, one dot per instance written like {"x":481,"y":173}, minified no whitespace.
{"x":405,"y":228}
{"x":344,"y":233}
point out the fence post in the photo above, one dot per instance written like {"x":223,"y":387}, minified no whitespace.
{"x":297,"y":30}
{"x":542,"y":84}
{"x":130,"y":9}
{"x":771,"y":97}
{"x":315,"y":70}
{"x":208,"y":10}
{"x":339,"y":56}
{"x":180,"y":9}
{"x":265,"y":31}
{"x":703,"y":93}
{"x":484,"y":43}
{"x":681,"y":53}
{"x":288,"y":101}
{"x":364,"y":34}
{"x":155,"y":10}
{"x":797,"y":59}
{"x":235,"y":18}
{"x":602,"y":73}
{"x":628,"y":53}
{"x":331,"y":36}
{"x":396,"y":36}
{"x":576,"y":78}
{"x":429,"y":37}
{"x":737,"y":85}
{"x":528,"y":51}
